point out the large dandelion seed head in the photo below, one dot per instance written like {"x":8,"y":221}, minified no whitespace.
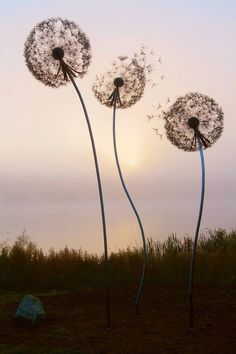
{"x":128,"y":76}
{"x":191,"y":115}
{"x":53,"y":42}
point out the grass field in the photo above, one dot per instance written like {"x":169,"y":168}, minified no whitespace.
{"x":25,"y":267}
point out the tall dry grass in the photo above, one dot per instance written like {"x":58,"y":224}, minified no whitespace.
{"x":24,"y":266}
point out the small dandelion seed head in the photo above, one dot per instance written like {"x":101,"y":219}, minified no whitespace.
{"x":129,"y":75}
{"x":190,"y":113}
{"x":51,"y":41}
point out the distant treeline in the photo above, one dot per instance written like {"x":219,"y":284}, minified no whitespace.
{"x":23,"y":266}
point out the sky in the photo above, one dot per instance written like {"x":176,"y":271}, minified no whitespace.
{"x":47,"y":176}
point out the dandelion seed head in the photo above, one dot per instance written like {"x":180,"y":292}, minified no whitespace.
{"x":126,"y":73}
{"x":51,"y":41}
{"x":190,"y":113}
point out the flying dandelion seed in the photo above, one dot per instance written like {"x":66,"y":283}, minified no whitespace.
{"x":157,"y":132}
{"x":194,"y":122}
{"x":154,"y":84}
{"x":159,"y":114}
{"x":57,"y":51}
{"x":150,"y":117}
{"x":122,"y":87}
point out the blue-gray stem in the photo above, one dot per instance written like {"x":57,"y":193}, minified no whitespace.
{"x":101,"y":201}
{"x":191,"y":275}
{"x":137,"y":300}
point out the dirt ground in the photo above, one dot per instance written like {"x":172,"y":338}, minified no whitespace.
{"x":76,"y":323}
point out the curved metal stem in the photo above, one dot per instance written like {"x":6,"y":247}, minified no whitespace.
{"x":101,"y":200}
{"x":191,"y":275}
{"x":134,"y":209}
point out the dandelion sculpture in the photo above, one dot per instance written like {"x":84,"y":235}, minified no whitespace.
{"x":57,"y":51}
{"x":122,"y":87}
{"x":194,"y":122}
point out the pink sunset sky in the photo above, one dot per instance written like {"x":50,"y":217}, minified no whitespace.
{"x":47,"y":176}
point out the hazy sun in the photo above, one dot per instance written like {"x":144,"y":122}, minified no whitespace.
{"x":132,"y":163}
